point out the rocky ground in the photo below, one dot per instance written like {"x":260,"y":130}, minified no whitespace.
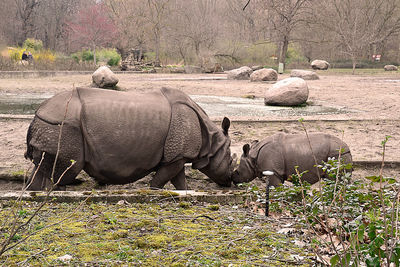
{"x":372,"y":103}
{"x":186,"y":233}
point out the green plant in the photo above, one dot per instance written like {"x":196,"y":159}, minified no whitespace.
{"x":109,"y":56}
{"x":363,"y":217}
{"x":33,"y":44}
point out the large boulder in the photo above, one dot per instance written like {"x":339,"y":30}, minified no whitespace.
{"x":264,"y":75}
{"x":390,"y":68}
{"x":287,"y":92}
{"x":242,"y":73}
{"x":304,"y":74}
{"x":103,"y":77}
{"x":320,"y":64}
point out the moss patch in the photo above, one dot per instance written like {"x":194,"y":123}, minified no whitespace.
{"x":166,"y":234}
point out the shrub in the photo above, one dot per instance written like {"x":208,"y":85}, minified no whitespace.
{"x":33,"y":44}
{"x":44,"y":55}
{"x":109,"y":56}
{"x":87,"y":55}
{"x":16,"y":53}
{"x":294,"y":55}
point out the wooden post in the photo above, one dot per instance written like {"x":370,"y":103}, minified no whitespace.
{"x":267,"y":174}
{"x":267,"y":198}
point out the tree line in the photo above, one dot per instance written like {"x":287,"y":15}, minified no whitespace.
{"x":191,"y":31}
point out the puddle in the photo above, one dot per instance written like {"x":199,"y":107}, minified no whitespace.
{"x":392,"y":81}
{"x":205,"y":78}
{"x":21,"y":103}
{"x":213,"y":105}
{"x":236,"y":106}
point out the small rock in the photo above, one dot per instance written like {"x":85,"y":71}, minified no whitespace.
{"x":320,"y":64}
{"x":297,"y":257}
{"x":103,"y":77}
{"x":245,"y":228}
{"x":122,"y":202}
{"x":304,"y":74}
{"x":65,"y":258}
{"x":390,"y":68}
{"x":242,"y":73}
{"x":286,"y":231}
{"x":264,"y":75}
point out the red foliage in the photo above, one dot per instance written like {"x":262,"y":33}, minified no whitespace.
{"x":92,"y":27}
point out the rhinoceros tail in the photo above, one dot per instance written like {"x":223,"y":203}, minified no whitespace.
{"x":29,"y":148}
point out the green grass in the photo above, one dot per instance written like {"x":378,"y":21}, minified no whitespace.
{"x":379,"y":71}
{"x":166,"y":234}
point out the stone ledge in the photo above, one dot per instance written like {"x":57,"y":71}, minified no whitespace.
{"x":133,"y":196}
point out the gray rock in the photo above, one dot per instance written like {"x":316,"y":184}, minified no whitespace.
{"x":189,"y":69}
{"x":287,"y":92}
{"x":103,"y":77}
{"x":304,"y":74}
{"x":176,"y":69}
{"x":320,"y":64}
{"x":217,"y":67}
{"x":257,"y":67}
{"x":390,"y":68}
{"x":264,"y":75}
{"x":242,"y":73}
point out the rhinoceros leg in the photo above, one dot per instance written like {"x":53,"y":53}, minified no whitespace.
{"x":274,"y":180}
{"x":167,"y":173}
{"x":179,"y":181}
{"x":38,"y":181}
{"x":64,"y":170}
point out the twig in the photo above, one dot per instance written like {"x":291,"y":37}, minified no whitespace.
{"x":203,"y":216}
{"x":385,"y":223}
{"x":5,"y":246}
{"x":59,"y":139}
{"x":32,"y":256}
{"x":47,"y":226}
{"x":320,"y":189}
{"x":248,"y":2}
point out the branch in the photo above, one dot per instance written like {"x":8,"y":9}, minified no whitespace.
{"x":248,"y":2}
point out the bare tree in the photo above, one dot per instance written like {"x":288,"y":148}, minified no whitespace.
{"x":196,"y":24}
{"x":51,"y":19}
{"x":130,"y":18}
{"x":286,"y":16}
{"x":157,"y":10}
{"x":25,"y":14}
{"x":358,"y":25}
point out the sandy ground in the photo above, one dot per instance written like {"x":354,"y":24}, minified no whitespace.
{"x":375,"y":102}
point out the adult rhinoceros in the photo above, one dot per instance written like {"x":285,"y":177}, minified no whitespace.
{"x":280,"y":153}
{"x":120,"y":137}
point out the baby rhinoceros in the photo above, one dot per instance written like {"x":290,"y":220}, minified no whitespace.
{"x":280,"y":153}
{"x":120,"y":137}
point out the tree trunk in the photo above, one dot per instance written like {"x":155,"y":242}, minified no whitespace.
{"x":354,"y":66}
{"x":157,"y":39}
{"x":283,"y":50}
{"x":94,"y":55}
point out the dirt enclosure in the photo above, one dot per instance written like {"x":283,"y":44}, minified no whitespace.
{"x":369,"y":108}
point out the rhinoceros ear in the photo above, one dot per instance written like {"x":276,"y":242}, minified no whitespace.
{"x":246,"y":149}
{"x":226,"y":123}
{"x":254,"y":142}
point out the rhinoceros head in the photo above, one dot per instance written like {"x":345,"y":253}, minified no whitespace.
{"x":246,"y":170}
{"x":219,"y":167}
